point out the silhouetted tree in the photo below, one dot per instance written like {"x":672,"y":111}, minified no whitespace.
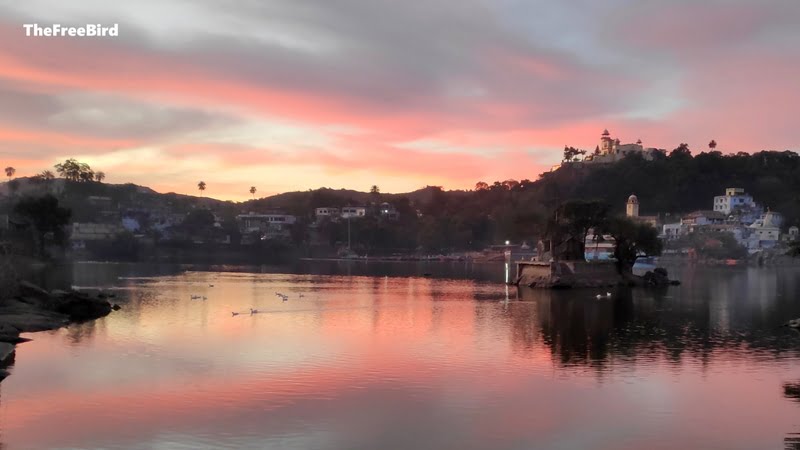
{"x":253,"y":191}
{"x":100,"y":176}
{"x":73,"y":170}
{"x":46,"y":216}
{"x":10,"y":171}
{"x":202,"y":187}
{"x":632,"y":239}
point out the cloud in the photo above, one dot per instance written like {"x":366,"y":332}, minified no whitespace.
{"x":341,"y":91}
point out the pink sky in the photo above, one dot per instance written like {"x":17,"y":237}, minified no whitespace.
{"x":291,"y":95}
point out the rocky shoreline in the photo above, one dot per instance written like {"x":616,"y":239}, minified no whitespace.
{"x":35,"y":309}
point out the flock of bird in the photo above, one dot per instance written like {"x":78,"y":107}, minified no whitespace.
{"x":283,"y":297}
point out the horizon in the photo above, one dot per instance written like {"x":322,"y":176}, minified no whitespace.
{"x":286,"y":95}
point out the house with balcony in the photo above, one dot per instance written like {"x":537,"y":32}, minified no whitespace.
{"x":265,"y":226}
{"x":351,"y":212}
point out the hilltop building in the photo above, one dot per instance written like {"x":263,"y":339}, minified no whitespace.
{"x":611,"y":150}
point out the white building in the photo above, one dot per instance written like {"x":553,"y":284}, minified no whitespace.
{"x":739,"y":205}
{"x":672,"y":231}
{"x":94,"y":231}
{"x":353,"y":212}
{"x":766,"y":231}
{"x":793,"y":234}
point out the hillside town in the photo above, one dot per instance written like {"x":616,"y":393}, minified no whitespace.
{"x":113,"y":221}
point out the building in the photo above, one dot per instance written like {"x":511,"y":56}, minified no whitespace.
{"x":354,"y":212}
{"x":388,"y":211}
{"x":94,"y":231}
{"x":765,"y":232}
{"x":738,"y":206}
{"x":793,"y":235}
{"x":265,"y":226}
{"x":673,"y":231}
{"x":326,"y":213}
{"x":702,"y":218}
{"x":612,"y":150}
{"x":632,"y":212}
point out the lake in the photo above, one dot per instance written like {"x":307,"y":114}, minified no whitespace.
{"x":410,"y":356}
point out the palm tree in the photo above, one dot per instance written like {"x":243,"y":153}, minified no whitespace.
{"x":47,"y":175}
{"x":253,"y":191}
{"x":10,"y":171}
{"x":712,"y":145}
{"x":202,"y":186}
{"x":100,"y":176}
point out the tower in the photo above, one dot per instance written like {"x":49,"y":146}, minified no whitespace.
{"x":632,"y":209}
{"x":605,"y":142}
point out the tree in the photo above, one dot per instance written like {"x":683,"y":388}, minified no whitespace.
{"x":632,"y":239}
{"x":202,"y":186}
{"x":571,"y":153}
{"x":10,"y":171}
{"x":374,"y":190}
{"x":682,"y":151}
{"x":481,"y":186}
{"x":253,"y":191}
{"x":571,"y":223}
{"x":712,"y":145}
{"x":47,"y":175}
{"x":794,"y":249}
{"x":73,"y":170}
{"x":46,"y":216}
{"x":100,"y":176}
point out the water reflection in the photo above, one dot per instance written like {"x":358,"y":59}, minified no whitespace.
{"x":376,"y":361}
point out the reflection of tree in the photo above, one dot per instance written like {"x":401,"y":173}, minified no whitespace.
{"x":669,"y":324}
{"x":791,"y":391}
{"x":79,"y":332}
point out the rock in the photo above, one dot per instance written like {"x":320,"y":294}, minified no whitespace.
{"x":6,"y":350}
{"x":79,"y":307}
{"x":9,"y":334}
{"x":28,"y":289}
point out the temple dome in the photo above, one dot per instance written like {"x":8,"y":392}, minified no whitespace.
{"x":633,"y":199}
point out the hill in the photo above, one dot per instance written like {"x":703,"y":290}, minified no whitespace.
{"x":438,"y":220}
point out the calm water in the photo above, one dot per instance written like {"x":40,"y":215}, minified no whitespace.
{"x":366,"y":361}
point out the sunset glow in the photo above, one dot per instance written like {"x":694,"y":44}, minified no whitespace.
{"x":293,"y":94}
